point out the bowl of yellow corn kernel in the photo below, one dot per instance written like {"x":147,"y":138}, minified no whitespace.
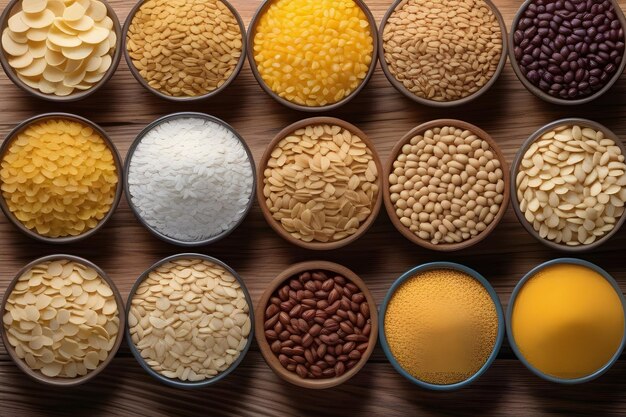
{"x":313,"y":55}
{"x":60,"y":177}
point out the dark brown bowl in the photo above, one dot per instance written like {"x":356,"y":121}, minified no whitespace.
{"x":118,"y":166}
{"x":60,"y":381}
{"x":12,"y":8}
{"x":260,"y":184}
{"x":391,"y":211}
{"x":318,"y":109}
{"x":545,"y":96}
{"x":144,"y":83}
{"x":442,"y":104}
{"x":515,"y":170}
{"x":264,"y":346}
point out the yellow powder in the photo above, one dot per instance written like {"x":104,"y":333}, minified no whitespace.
{"x":58,"y":177}
{"x":568,"y":321}
{"x":441,"y":326}
{"x":313,"y":52}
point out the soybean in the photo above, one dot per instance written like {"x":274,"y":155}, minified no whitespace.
{"x":446,"y":185}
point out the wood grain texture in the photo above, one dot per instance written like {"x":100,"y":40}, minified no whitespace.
{"x":124,"y":249}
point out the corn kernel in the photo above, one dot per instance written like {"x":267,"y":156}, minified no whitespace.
{"x":313,"y":52}
{"x":58,"y":177}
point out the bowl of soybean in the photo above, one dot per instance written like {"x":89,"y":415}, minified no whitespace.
{"x":441,"y":325}
{"x":299,"y":65}
{"x":436,"y":70}
{"x":446,"y":185}
{"x":566,"y":321}
{"x":210,"y":53}
{"x":566,"y":53}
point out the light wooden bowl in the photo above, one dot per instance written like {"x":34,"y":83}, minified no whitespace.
{"x":442,"y":104}
{"x":60,"y":381}
{"x":515,"y":170}
{"x":12,"y":8}
{"x":391,"y":210}
{"x":252,"y":28}
{"x":118,"y":167}
{"x":264,"y":346}
{"x":261,"y":183}
{"x":144,"y":83}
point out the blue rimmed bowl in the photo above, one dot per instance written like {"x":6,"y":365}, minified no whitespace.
{"x":509,"y":316}
{"x":438,"y":266}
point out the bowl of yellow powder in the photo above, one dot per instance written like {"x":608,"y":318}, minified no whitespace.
{"x":313,"y":55}
{"x":565,"y":321}
{"x":60,"y":177}
{"x":442,"y":325}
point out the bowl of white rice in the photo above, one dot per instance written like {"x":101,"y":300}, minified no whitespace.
{"x":190,"y":178}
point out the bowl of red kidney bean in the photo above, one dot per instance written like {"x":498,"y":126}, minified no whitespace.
{"x":568,"y":51}
{"x":317,"y":324}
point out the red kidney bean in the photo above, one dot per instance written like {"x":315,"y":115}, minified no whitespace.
{"x":318,"y":324}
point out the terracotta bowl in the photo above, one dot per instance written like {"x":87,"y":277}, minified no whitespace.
{"x":539,"y":92}
{"x":252,"y":33}
{"x":144,"y":83}
{"x":59,"y":381}
{"x":264,"y":346}
{"x":176,"y":383}
{"x":441,"y":104}
{"x":515,"y":170}
{"x":12,"y":8}
{"x":391,"y":211}
{"x":118,"y":166}
{"x":260,"y":184}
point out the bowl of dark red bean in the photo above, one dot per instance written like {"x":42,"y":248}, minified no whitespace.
{"x":568,"y":51}
{"x":317,"y":324}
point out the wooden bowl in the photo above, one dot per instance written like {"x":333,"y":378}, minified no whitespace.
{"x":252,"y":28}
{"x":264,"y":346}
{"x":60,"y":381}
{"x":12,"y":8}
{"x":441,"y":104}
{"x":260,"y":184}
{"x":175,"y":382}
{"x":144,"y":83}
{"x":515,"y":170}
{"x":118,"y":166}
{"x":391,"y":210}
{"x":134,"y":208}
{"x":542,"y":94}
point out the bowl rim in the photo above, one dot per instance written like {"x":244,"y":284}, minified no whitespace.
{"x":74,"y":96}
{"x":142,"y":81}
{"x":509,"y":315}
{"x":389,"y":206}
{"x":443,"y":104}
{"x":61,"y":381}
{"x":135,"y":210}
{"x":363,"y":228}
{"x":137,"y":355}
{"x":259,"y":323}
{"x":542,"y":94}
{"x":515,"y":170}
{"x":252,"y":27}
{"x":12,"y":135}
{"x":435,"y":266}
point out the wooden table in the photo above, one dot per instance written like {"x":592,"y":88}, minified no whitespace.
{"x":124,"y":249}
